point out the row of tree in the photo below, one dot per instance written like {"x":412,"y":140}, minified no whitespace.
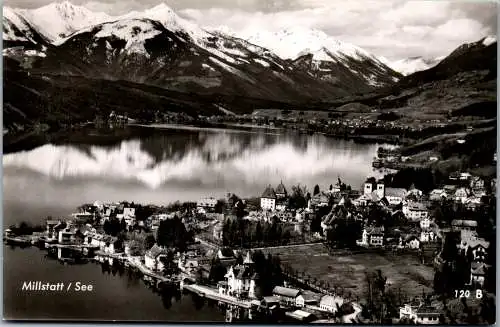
{"x":246,"y":233}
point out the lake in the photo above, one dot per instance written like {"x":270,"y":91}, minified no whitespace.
{"x":116,"y":295}
{"x":163,"y":166}
{"x":173,"y":164}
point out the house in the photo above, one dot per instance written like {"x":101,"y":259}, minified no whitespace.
{"x":240,"y":280}
{"x":128,"y":212}
{"x":395,"y":196}
{"x":153,"y":257}
{"x":420,"y":314}
{"x":301,"y":315}
{"x":425,"y":223}
{"x":271,"y":302}
{"x":478,"y":274}
{"x":53,"y":227}
{"x":372,"y":236}
{"x":467,"y":228}
{"x":477,"y":183}
{"x":280,"y":191}
{"x":427,"y":235}
{"x":415,"y":211}
{"x":268,"y":199}
{"x":426,"y":315}
{"x":338,"y":212}
{"x":226,"y":254}
{"x":412,"y":242}
{"x":330,"y":303}
{"x":479,"y":248}
{"x":306,"y":298}
{"x":286,"y":295}
{"x":66,"y":236}
{"x":206,"y":205}
{"x":218,"y":231}
{"x":473,"y":203}
{"x":438,"y":195}
{"x":414,"y":192}
{"x":321,"y":199}
{"x":461,"y":195}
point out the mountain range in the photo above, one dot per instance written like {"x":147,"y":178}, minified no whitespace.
{"x":161,"y":60}
{"x":157,"y":47}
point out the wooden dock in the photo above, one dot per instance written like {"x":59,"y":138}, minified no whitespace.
{"x":211,"y":293}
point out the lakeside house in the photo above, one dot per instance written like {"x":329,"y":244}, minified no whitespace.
{"x":153,"y":258}
{"x":330,"y":303}
{"x":286,"y":295}
{"x":307,"y":298}
{"x":106,"y":243}
{"x":240,"y":280}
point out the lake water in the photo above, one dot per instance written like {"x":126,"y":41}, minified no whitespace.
{"x":115,"y":296}
{"x":172,"y":165}
{"x":168,"y":165}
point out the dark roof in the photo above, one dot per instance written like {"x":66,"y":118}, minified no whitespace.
{"x":467,"y":223}
{"x":227,"y":253}
{"x":281,"y":189}
{"x":426,"y":310}
{"x":155,"y":251}
{"x":396,"y":192}
{"x":478,"y":268}
{"x":285,"y":291}
{"x":269,"y":193}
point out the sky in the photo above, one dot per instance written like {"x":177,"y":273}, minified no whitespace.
{"x":394,"y":29}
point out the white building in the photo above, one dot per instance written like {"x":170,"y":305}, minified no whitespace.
{"x":427,"y":235}
{"x":240,"y":280}
{"x":268,"y":199}
{"x":438,"y":195}
{"x":422,"y":315}
{"x":415,"y":211}
{"x":372,"y":236}
{"x":425,"y":223}
{"x":330,"y":303}
{"x":461,"y":195}
{"x":206,"y":204}
{"x":152,"y":258}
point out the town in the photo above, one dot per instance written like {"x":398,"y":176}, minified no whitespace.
{"x":284,"y":256}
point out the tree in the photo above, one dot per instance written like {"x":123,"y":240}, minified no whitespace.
{"x":316,"y":189}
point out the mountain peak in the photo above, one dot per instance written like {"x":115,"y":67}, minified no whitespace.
{"x":161,"y":7}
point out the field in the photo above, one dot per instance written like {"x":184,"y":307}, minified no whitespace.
{"x":347,"y":270}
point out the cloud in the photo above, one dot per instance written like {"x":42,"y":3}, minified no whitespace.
{"x":394,"y":29}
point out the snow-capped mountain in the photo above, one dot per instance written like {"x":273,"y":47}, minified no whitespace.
{"x":323,"y":54}
{"x":158,"y":47}
{"x":59,"y":19}
{"x":414,"y":64}
{"x":17,"y":29}
{"x":293,"y":42}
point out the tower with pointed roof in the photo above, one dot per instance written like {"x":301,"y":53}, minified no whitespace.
{"x":280,"y":191}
